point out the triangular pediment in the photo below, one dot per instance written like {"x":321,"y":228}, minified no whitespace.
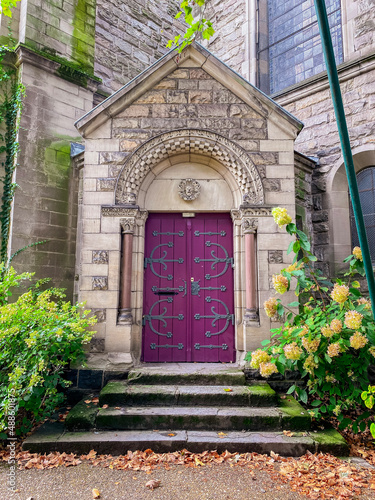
{"x":193,"y":58}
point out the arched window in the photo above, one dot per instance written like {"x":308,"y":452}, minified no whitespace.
{"x":366,"y":187}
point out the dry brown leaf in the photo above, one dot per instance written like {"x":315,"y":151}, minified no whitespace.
{"x":153,"y":483}
{"x":228,"y":389}
{"x":171,"y":434}
{"x":95,"y":493}
{"x":87,"y":401}
{"x":95,"y":400}
{"x":105,"y":406}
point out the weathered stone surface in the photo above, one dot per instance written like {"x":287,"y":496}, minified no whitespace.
{"x":275,"y":256}
{"x":99,"y":283}
{"x":100,"y":257}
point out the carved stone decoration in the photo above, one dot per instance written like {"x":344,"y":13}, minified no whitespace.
{"x":116,"y":211}
{"x":99,"y":283}
{"x":249,"y":225}
{"x":127,"y":225}
{"x":130,"y":198}
{"x":191,"y":141}
{"x":99,"y":257}
{"x":189,"y":189}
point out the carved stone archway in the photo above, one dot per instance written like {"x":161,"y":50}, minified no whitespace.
{"x":191,"y":141}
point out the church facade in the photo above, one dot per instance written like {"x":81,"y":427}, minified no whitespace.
{"x":153,"y":176}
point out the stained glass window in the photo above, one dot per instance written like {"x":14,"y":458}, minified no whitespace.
{"x":295,"y":50}
{"x":366,"y":187}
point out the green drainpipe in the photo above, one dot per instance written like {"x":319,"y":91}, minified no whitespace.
{"x":333,"y":79}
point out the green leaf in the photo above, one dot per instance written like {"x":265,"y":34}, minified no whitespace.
{"x":291,"y":389}
{"x":265,"y":342}
{"x":294,"y":304}
{"x":317,"y":402}
{"x":178,"y":15}
{"x":290,"y":247}
{"x":303,"y":396}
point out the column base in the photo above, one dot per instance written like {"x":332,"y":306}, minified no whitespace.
{"x":124,"y":317}
{"x":251,"y":316}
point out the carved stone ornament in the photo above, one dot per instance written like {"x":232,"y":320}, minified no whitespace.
{"x":129,"y":198}
{"x":249,"y":225}
{"x":189,"y":189}
{"x":191,"y":141}
{"x":127,"y":225}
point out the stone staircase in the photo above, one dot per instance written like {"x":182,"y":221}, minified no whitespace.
{"x":194,"y":406}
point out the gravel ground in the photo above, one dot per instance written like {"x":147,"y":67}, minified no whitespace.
{"x":219,"y":482}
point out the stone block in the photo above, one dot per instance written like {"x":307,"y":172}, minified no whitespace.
{"x":177,"y":96}
{"x":275,"y":256}
{"x":100,"y":257}
{"x":106,"y":184}
{"x":200,"y":96}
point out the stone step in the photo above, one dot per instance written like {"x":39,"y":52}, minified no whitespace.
{"x":120,"y":393}
{"x":187,"y":374}
{"x":202,"y":418}
{"x":52,"y":437}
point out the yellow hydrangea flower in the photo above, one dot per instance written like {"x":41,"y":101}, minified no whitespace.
{"x":340,"y":293}
{"x":267,"y":369}
{"x":270,"y":306}
{"x":258,"y":357}
{"x":357,"y":252}
{"x":310,"y":345}
{"x":353,"y":320}
{"x":280,"y":283}
{"x":334,"y":350}
{"x":366,"y":303}
{"x":357,"y":341}
{"x":292,"y":351}
{"x":309,"y":364}
{"x":327,"y":331}
{"x":280,"y":216}
{"x":336,"y":325}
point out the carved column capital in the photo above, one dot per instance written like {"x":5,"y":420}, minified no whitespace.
{"x":127,"y":225}
{"x":249,"y":225}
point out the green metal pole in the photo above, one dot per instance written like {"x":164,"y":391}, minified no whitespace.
{"x":333,"y":79}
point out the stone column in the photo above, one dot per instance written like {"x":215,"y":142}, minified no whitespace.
{"x":125,"y":312}
{"x":249,"y":227}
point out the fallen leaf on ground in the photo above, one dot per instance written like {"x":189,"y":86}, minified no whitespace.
{"x":288,"y":433}
{"x":171,"y":434}
{"x":198,"y":462}
{"x":105,"y":406}
{"x":87,"y":401}
{"x":95,"y":493}
{"x":153,"y":483}
{"x":221,"y":434}
{"x":228,"y":389}
{"x":95,"y":400}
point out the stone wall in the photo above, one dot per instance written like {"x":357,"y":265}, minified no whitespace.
{"x":45,"y":206}
{"x":359,"y":28}
{"x":64,"y":28}
{"x":130,"y":36}
{"x":230,"y":20}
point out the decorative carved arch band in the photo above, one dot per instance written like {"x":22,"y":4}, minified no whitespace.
{"x":192,"y":141}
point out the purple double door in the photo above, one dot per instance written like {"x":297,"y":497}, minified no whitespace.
{"x":188,"y":311}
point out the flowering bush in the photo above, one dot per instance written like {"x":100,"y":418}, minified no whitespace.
{"x":40,"y":334}
{"x":331,"y":338}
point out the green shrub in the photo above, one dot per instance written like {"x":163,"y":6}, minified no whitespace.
{"x":330,"y":340}
{"x":40,"y":334}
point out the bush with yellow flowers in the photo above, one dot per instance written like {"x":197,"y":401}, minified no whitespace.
{"x":330,"y":340}
{"x":40,"y":334}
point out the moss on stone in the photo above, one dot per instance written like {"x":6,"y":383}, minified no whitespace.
{"x":294,"y":416}
{"x":331,"y":441}
{"x":82,"y":416}
{"x":83,"y":40}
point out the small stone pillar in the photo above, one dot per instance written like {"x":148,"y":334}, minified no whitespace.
{"x":125,"y":312}
{"x":249,"y":228}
